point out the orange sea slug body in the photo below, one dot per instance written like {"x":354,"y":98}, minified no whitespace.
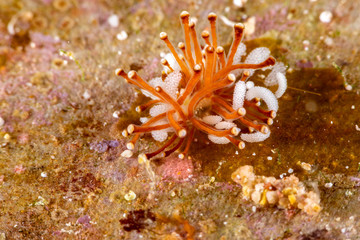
{"x":203,"y":89}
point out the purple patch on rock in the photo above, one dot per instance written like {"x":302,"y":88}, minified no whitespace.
{"x":84,"y":219}
{"x":304,"y":64}
{"x":103,"y":146}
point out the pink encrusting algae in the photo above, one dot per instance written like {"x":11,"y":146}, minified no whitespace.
{"x":205,"y":89}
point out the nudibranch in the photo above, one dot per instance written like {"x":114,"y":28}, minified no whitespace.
{"x":205,"y":89}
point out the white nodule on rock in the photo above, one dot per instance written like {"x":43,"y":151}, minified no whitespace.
{"x":122,"y":36}
{"x":282,"y":84}
{"x":225,"y":125}
{"x":212,"y":119}
{"x":159,"y":135}
{"x":113,"y":20}
{"x":218,"y":140}
{"x":130,"y":196}
{"x":159,"y":109}
{"x":239,"y":95}
{"x":326,"y":16}
{"x":127,"y":153}
{"x":115,"y":114}
{"x":271,"y":79}
{"x":258,"y":55}
{"x":86,"y":95}
{"x":266,"y":95}
{"x":239,"y":3}
{"x":2,"y":122}
{"x":254,"y":137}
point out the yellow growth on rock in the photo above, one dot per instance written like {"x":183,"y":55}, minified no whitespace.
{"x":286,"y":193}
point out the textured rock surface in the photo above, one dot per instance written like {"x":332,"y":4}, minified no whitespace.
{"x":61,"y":170}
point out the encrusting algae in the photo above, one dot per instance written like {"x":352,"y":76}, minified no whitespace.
{"x":205,"y":89}
{"x":286,"y":193}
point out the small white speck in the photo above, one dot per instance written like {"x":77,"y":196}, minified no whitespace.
{"x":348,"y":87}
{"x":343,"y":230}
{"x":328,"y":185}
{"x":331,"y":122}
{"x":130,"y":196}
{"x":254,"y":154}
{"x":357,"y":127}
{"x":305,"y":12}
{"x":239,"y":3}
{"x":225,"y":223}
{"x":262,"y":76}
{"x":328,"y":41}
{"x":7,"y":136}
{"x":43,"y":174}
{"x":347,"y":167}
{"x":113,"y":20}
{"x":227,"y":9}
{"x":127,"y":153}
{"x":253,"y":208}
{"x":122,"y":35}
{"x":290,"y":170}
{"x":236,"y":152}
{"x":32,"y":45}
{"x":116,"y":114}
{"x":327,"y":227}
{"x":119,"y":52}
{"x":325,"y":16}
{"x":2,"y":121}
{"x":162,"y":54}
{"x":353,"y":107}
{"x":348,"y":193}
{"x":269,"y":158}
{"x":86,"y":95}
